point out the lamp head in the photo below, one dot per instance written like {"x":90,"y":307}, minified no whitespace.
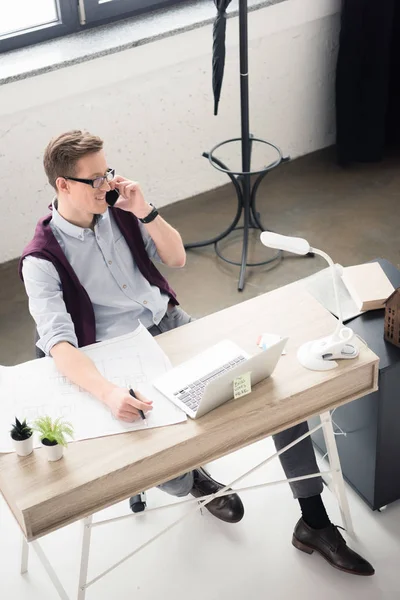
{"x":284,"y":242}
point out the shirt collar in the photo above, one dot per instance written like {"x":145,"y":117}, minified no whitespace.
{"x":69,"y":228}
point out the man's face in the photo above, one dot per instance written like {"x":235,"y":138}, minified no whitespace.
{"x":82,"y":196}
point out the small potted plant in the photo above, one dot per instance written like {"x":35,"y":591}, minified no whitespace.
{"x":53,"y":435}
{"x":21,"y":434}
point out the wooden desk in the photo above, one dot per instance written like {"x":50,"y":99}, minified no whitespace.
{"x":97,"y":473}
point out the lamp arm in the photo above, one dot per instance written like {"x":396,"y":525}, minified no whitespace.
{"x":335,"y":287}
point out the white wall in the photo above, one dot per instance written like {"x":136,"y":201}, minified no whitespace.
{"x":153,"y":106}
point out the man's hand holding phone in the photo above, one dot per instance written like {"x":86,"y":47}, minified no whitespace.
{"x":127,"y":195}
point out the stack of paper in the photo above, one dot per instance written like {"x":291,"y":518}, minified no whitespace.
{"x":36,"y":388}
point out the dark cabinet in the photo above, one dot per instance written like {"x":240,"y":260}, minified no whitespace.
{"x":370,"y":449}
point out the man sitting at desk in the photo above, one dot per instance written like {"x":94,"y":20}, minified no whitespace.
{"x":89,"y":276}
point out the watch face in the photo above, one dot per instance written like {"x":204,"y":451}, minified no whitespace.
{"x":112,"y":196}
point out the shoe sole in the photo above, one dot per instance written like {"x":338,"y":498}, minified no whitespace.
{"x":310,"y":549}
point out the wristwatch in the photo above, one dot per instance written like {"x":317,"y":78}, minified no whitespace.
{"x":151,"y":216}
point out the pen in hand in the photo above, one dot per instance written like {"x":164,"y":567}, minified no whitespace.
{"x":141,"y":413}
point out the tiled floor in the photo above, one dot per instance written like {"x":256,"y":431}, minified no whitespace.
{"x":354,"y":216}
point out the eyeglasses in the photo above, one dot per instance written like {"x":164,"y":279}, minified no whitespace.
{"x":98,"y":182}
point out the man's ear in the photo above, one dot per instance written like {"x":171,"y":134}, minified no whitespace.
{"x":62,"y":185}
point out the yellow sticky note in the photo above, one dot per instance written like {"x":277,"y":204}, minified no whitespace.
{"x":242,"y":385}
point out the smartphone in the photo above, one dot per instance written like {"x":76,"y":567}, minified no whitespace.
{"x":111,"y":197}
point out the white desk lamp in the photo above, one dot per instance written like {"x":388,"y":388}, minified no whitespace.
{"x":318,"y":355}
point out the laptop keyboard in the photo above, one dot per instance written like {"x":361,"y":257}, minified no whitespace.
{"x":192,"y":393}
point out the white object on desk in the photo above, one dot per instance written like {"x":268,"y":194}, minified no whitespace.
{"x":23,"y":447}
{"x":320,"y":285}
{"x":207,"y":380}
{"x":54,"y":453}
{"x":322,"y":354}
{"x":36,"y":388}
{"x":267,"y":340}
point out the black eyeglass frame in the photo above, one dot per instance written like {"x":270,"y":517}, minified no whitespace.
{"x":109,"y":176}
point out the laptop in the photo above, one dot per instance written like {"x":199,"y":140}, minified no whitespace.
{"x":204,"y":382}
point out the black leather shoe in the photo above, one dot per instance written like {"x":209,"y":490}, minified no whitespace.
{"x":227,"y":508}
{"x":331,"y":545}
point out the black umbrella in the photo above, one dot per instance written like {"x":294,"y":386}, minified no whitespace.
{"x":218,"y":62}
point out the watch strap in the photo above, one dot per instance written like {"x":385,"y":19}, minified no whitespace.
{"x":151,"y":216}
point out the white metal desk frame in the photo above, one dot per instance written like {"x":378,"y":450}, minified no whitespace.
{"x":336,"y":485}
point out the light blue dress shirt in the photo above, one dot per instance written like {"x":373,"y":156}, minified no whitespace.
{"x":104,"y":265}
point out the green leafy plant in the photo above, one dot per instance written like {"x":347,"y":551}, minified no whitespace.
{"x":20,"y":431}
{"x":54,"y":432}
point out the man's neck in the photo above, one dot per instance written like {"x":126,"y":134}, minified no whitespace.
{"x":86,"y":221}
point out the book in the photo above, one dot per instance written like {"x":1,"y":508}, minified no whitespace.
{"x":368,"y":285}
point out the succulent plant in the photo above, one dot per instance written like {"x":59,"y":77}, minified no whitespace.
{"x":20,"y":431}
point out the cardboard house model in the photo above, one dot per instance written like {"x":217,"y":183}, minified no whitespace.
{"x":392,"y":318}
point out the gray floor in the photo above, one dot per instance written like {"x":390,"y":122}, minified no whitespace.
{"x":351,"y":214}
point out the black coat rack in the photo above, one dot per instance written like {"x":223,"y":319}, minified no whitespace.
{"x":246,"y":189}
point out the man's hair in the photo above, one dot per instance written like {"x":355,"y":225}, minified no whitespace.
{"x":64,"y":151}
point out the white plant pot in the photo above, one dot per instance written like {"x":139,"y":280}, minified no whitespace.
{"x":24,"y":447}
{"x":53,"y":452}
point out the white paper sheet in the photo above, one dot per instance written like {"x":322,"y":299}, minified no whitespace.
{"x":36,"y":388}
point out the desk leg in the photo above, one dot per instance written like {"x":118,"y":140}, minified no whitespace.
{"x":24,"y":556}
{"x":86,"y":536}
{"x":49,"y":570}
{"x":337,"y":476}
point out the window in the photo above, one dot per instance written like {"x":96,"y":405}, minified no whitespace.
{"x":27,"y":22}
{"x":21,"y":15}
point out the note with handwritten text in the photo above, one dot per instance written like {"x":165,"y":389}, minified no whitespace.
{"x":242,"y":385}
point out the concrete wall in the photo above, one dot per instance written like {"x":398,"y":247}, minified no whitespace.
{"x":153,"y":107}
